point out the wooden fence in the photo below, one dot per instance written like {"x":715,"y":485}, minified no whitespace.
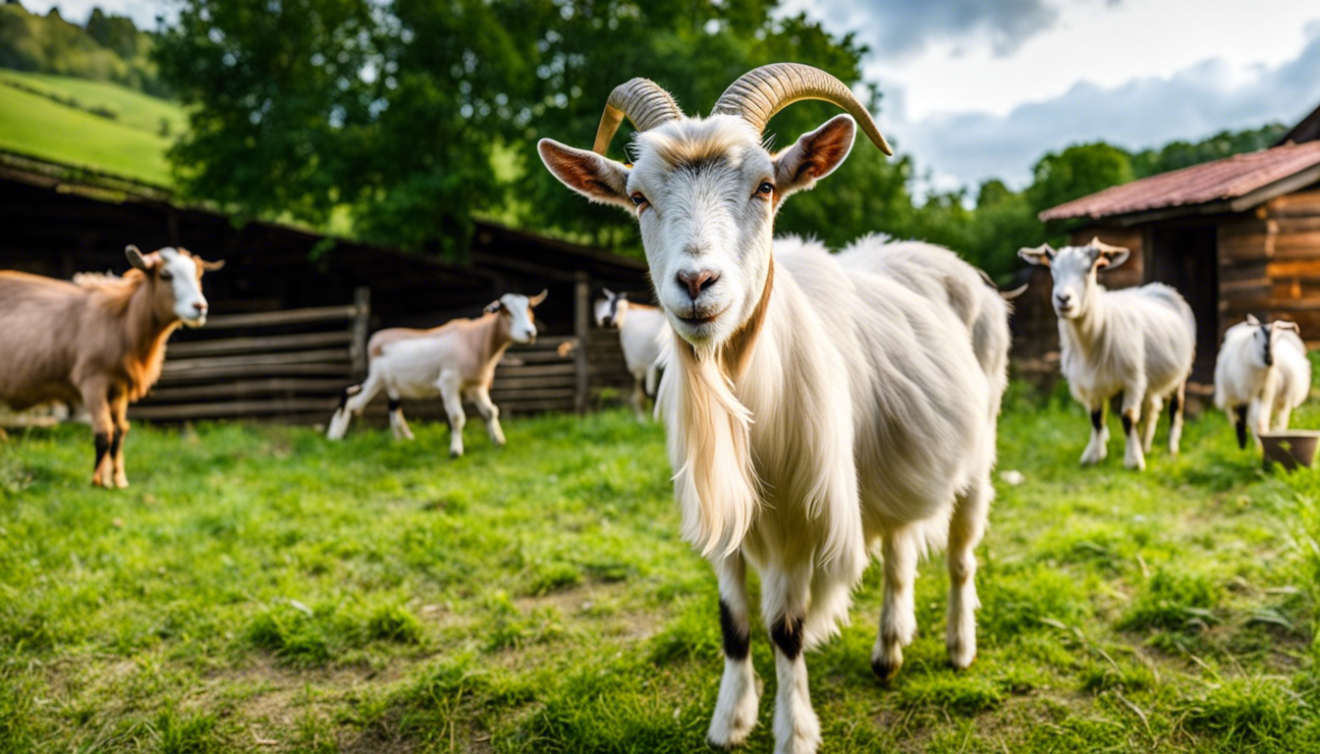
{"x":294,"y":365}
{"x":283,"y":364}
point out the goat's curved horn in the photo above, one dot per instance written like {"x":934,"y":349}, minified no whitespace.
{"x":760,"y":93}
{"x":645,"y":103}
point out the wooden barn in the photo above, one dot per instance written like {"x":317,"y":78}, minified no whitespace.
{"x":1235,"y":236}
{"x":292,"y":309}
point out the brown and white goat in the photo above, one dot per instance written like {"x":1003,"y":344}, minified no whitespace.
{"x":455,"y":361}
{"x":100,"y":343}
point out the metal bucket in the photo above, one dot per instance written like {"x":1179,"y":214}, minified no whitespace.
{"x":1290,"y":448}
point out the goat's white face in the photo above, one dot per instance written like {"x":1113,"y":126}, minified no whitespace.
{"x":1074,"y":271}
{"x":611,"y":310}
{"x":518,"y":311}
{"x":182,"y":274}
{"x":705,"y":193}
{"x":179,"y":286}
{"x":1264,"y":338}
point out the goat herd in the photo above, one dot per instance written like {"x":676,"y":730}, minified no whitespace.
{"x":816,"y":404}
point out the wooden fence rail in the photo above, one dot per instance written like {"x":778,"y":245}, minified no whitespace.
{"x":294,"y":365}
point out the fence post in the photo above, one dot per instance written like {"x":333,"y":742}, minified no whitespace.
{"x":582,"y":328}
{"x":357,"y":349}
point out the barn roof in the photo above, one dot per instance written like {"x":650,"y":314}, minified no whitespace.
{"x":1232,"y":184}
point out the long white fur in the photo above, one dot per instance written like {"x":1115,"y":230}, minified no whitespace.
{"x":1269,"y":393}
{"x":856,"y":416}
{"x":1140,"y":342}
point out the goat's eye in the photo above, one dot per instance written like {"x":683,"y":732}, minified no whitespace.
{"x":766,"y":188}
{"x":638,"y":198}
{"x":166,"y":276}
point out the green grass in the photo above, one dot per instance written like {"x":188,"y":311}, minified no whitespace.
{"x":130,"y":145}
{"x":260,"y":589}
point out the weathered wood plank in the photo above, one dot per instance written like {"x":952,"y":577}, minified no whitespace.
{"x":290,"y":317}
{"x":218,"y":410}
{"x":257,"y":344}
{"x":245,"y":388}
{"x":173,"y":366}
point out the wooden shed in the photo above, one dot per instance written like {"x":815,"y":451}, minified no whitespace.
{"x":292,"y":308}
{"x":1235,"y":236}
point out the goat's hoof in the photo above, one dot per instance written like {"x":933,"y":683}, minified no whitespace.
{"x":455,"y":454}
{"x":885,"y":670}
{"x":121,"y":481}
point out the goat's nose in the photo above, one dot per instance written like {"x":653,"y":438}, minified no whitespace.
{"x":200,"y":307}
{"x":1064,"y":298}
{"x":697,"y":281}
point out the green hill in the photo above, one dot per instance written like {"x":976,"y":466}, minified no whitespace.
{"x":55,"y":118}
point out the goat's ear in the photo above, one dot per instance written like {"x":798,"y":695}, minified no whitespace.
{"x":608,"y":293}
{"x":1107,"y":256}
{"x":595,"y":177}
{"x":536,"y":300}
{"x":1041,"y":255}
{"x":493,"y":306}
{"x":1251,"y":320}
{"x":1284,"y":325}
{"x":814,"y":156}
{"x":138,"y":259}
{"x":210,"y":266}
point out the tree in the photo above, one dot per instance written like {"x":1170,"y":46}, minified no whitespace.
{"x":415,"y":115}
{"x":1077,"y":171}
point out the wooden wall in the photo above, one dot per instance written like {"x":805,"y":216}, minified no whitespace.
{"x":1269,"y":263}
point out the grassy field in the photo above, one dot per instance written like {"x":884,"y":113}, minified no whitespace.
{"x":259,"y":589}
{"x":36,"y":119}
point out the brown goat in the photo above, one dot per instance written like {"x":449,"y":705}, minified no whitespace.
{"x":100,"y":343}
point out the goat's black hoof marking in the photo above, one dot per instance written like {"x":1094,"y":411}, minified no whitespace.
{"x":455,"y":454}
{"x":884,"y":671}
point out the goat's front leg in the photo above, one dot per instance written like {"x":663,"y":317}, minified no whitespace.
{"x":898,"y":615}
{"x":970,"y":514}
{"x":491,"y":413}
{"x":639,"y":398}
{"x":398,"y":424}
{"x":449,"y":390}
{"x":1096,"y":449}
{"x":119,"y":415}
{"x":736,"y":708}
{"x":96,"y":397}
{"x":1133,"y":396}
{"x":1264,"y":408}
{"x":1150,"y":418}
{"x":784,"y":599}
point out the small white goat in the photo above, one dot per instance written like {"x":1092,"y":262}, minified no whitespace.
{"x":812,"y":409}
{"x":455,"y":361}
{"x":1262,"y":372}
{"x":640,"y":329}
{"x":1137,"y":342}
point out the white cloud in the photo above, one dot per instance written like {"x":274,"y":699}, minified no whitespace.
{"x":1195,"y":102}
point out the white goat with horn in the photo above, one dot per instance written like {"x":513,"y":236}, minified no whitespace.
{"x":812,"y":409}
{"x":1138,"y":343}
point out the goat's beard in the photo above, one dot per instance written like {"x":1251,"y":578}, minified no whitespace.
{"x":715,"y":482}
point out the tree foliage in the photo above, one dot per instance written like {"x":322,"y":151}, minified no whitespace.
{"x":416,"y":115}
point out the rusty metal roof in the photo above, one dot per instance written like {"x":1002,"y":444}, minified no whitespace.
{"x":1219,"y":181}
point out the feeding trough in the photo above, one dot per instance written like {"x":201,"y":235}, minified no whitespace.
{"x":1290,"y":448}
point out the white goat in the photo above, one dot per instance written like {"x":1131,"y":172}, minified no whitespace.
{"x":1137,"y":342}
{"x":640,"y":329}
{"x":1262,"y":372}
{"x":812,"y":409}
{"x":455,"y":361}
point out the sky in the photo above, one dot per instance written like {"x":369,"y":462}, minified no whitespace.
{"x":979,"y":89}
